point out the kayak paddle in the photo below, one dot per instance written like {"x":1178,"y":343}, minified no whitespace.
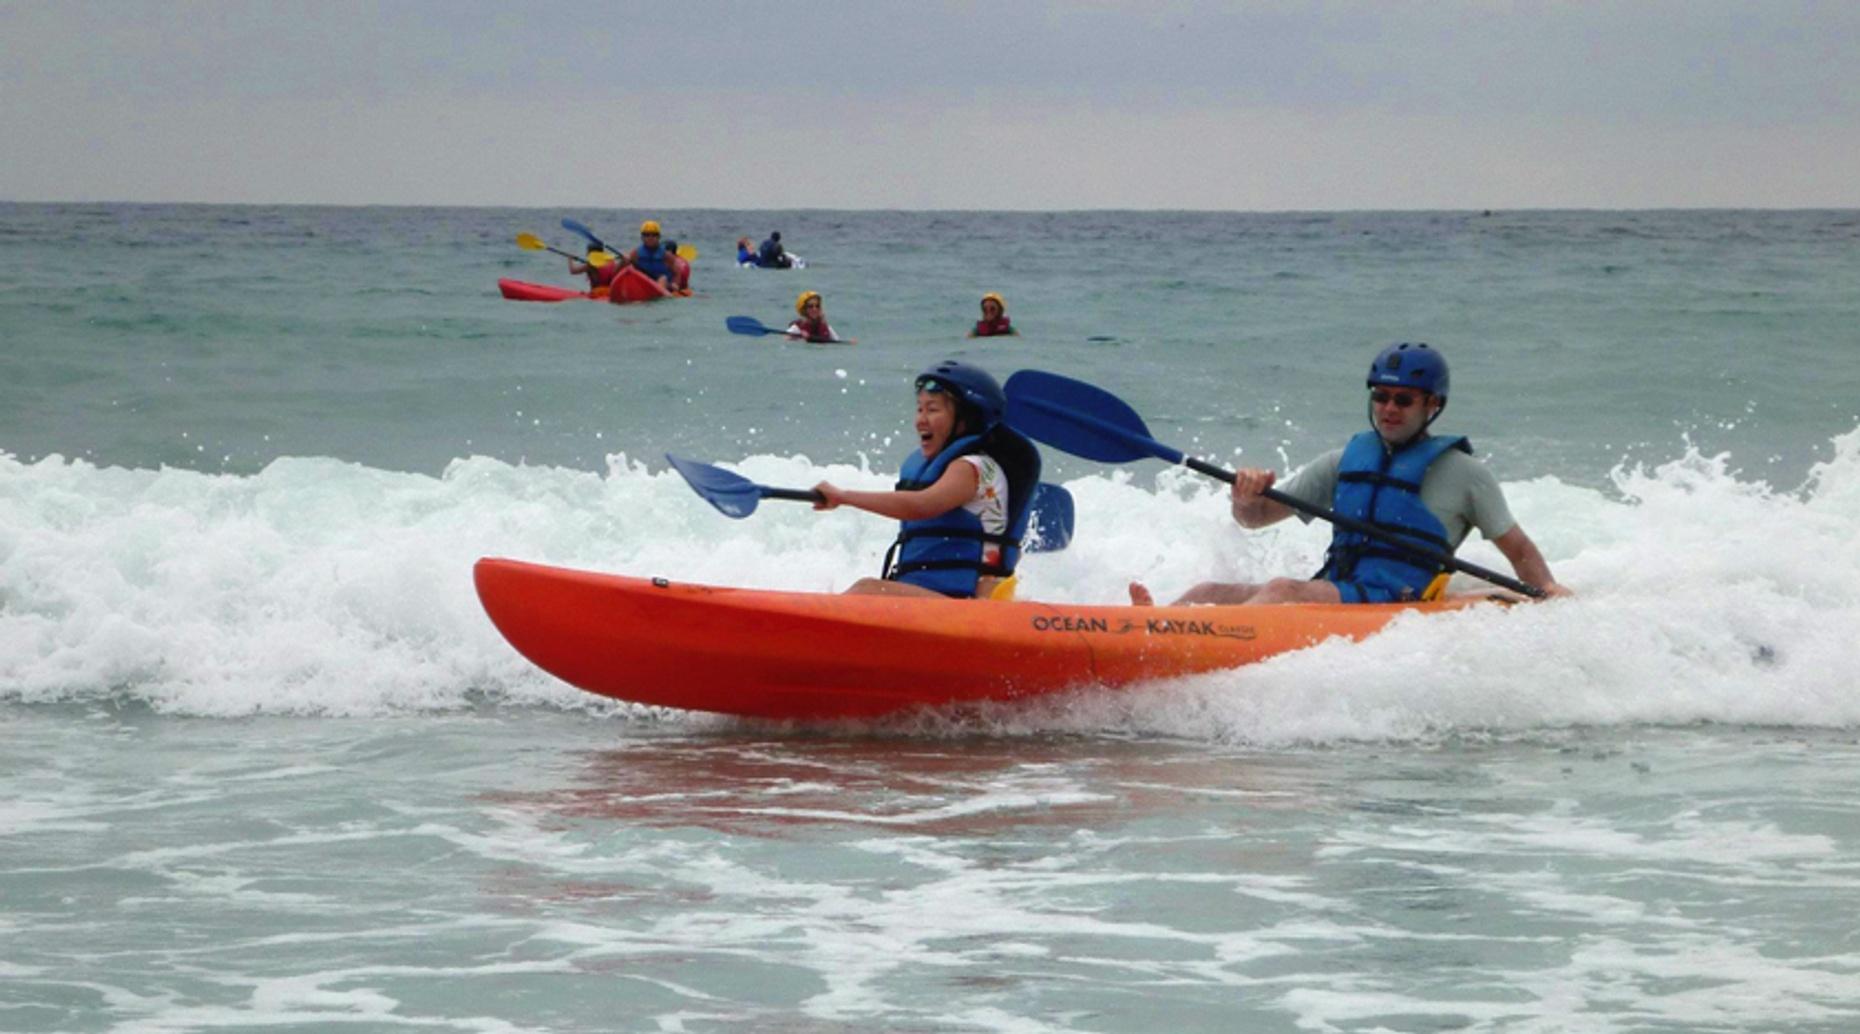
{"x":752,"y":326}
{"x":531,"y":242}
{"x":732,"y":494}
{"x":1088,"y":421}
{"x":736,"y":496}
{"x":685,"y":251}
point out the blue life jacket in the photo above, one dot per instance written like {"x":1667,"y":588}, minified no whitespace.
{"x":652,"y":261}
{"x":745,"y":257}
{"x":1383,"y":488}
{"x":945,"y":552}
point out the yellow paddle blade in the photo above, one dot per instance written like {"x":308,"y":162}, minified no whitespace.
{"x":1004,"y":589}
{"x":601,"y":258}
{"x":687,"y":252}
{"x":530,"y":242}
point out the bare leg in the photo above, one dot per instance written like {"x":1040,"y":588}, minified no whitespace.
{"x":1279,"y":590}
{"x":881,"y":587}
{"x":1140,"y":595}
{"x":1297,"y":590}
{"x":1217,"y":592}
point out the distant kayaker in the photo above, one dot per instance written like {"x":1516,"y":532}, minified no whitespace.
{"x":772,"y":255}
{"x":681,"y":268}
{"x":810,"y":323}
{"x":600,"y":274}
{"x":1396,"y":477}
{"x":994,"y":321}
{"x":962,"y":496}
{"x":651,"y":257}
{"x":745,"y":252}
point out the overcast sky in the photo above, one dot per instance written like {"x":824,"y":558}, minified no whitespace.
{"x":1004,"y":105}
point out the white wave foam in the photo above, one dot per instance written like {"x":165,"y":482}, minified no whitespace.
{"x":323,"y":587}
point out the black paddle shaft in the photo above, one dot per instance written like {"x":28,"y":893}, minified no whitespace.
{"x":1446,"y":560}
{"x":799,"y":495}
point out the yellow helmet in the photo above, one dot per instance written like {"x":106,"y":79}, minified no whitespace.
{"x":649,"y":226}
{"x":800,"y":301}
{"x":997,"y":299}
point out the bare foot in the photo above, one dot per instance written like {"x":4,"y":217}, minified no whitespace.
{"x":1140,"y":595}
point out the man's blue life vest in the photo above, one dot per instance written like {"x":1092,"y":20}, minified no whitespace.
{"x":652,"y":261}
{"x":944,"y":552}
{"x":1383,"y":488}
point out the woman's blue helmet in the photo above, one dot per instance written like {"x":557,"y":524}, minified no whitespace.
{"x":1406,"y":365}
{"x":971,"y":385}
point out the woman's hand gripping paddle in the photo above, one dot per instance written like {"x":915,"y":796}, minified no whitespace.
{"x":736,"y":496}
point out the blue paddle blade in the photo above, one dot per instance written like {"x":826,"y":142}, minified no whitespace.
{"x":732,"y":494}
{"x":574,"y":227}
{"x":747,"y":325}
{"x":1050,"y":527}
{"x":1081,"y":419}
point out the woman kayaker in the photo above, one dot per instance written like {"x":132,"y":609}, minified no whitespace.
{"x":745,"y":252}
{"x":810,"y":323}
{"x":600,"y":274}
{"x":681,"y":268}
{"x":962,"y":496}
{"x":994,"y":321}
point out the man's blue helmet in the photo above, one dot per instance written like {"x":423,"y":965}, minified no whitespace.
{"x":1406,"y":365}
{"x":971,"y":385}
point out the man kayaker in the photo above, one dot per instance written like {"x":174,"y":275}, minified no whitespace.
{"x":963,"y":495}
{"x":772,"y":255}
{"x":1396,"y":476}
{"x":650,"y":257}
{"x":994,"y":321}
{"x":600,"y":274}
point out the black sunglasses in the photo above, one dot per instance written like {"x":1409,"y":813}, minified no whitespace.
{"x":1398,"y":399}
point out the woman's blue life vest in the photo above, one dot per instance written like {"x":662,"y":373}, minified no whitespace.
{"x":945,"y":552}
{"x":1383,"y":488}
{"x":652,"y":261}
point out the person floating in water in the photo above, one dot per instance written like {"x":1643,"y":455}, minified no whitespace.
{"x":1397,"y":477}
{"x":994,"y":321}
{"x":810,"y":322}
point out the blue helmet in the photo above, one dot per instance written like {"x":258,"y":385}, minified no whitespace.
{"x":971,"y":385}
{"x":1406,"y":365}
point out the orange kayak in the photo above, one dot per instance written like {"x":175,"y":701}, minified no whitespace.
{"x":797,"y":655}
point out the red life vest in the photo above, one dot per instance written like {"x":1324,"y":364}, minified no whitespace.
{"x":602,"y":276}
{"x":993,"y":328}
{"x":815,"y":330}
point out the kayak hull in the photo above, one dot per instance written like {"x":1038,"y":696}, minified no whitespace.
{"x":523,"y":291}
{"x":813,"y":656}
{"x":634,"y":286}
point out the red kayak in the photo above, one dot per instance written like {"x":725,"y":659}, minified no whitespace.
{"x":634,"y":286}
{"x":803,"y":655}
{"x":521,"y":291}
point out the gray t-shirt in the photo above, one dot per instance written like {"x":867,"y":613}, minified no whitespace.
{"x":1457,"y":490}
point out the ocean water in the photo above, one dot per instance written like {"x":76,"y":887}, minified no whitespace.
{"x":267,"y":766}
